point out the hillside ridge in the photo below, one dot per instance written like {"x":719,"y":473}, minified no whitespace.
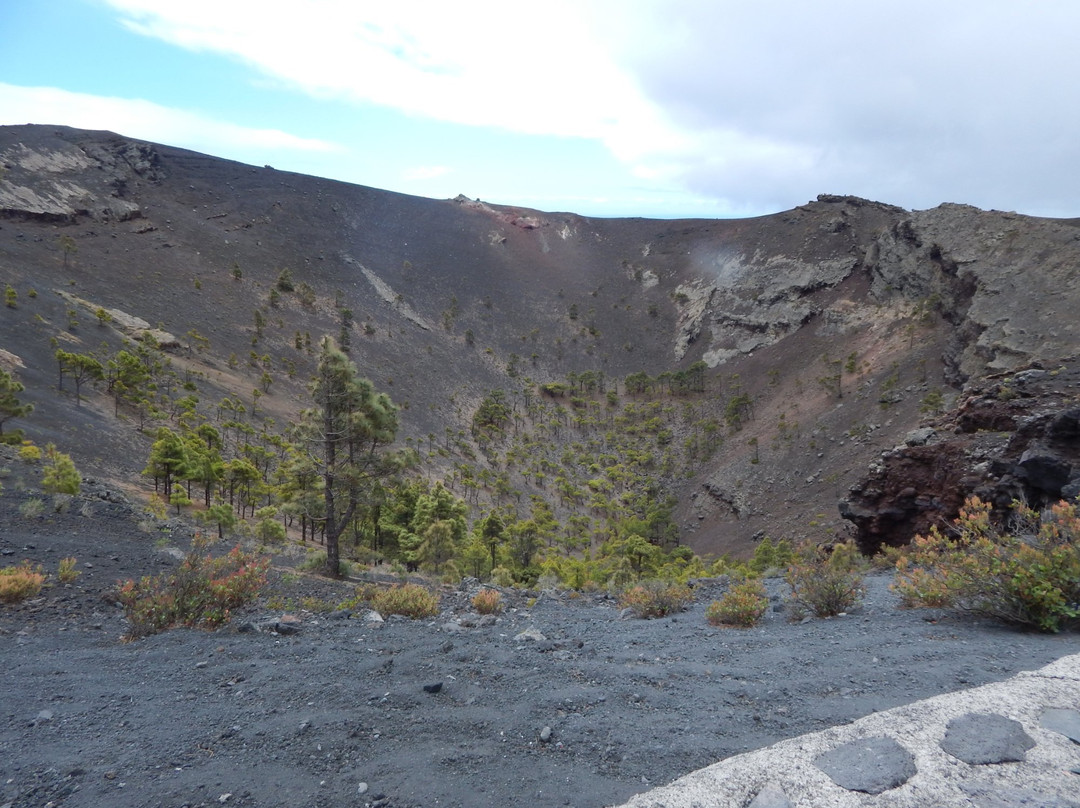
{"x":822,"y":336}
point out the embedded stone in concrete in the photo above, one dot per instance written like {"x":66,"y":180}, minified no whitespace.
{"x":1067,"y":722}
{"x":996,"y":795}
{"x":772,"y":796}
{"x":980,"y":738}
{"x":871,"y":765}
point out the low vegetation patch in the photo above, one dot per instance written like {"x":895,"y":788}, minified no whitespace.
{"x":1028,"y":575}
{"x":316,"y":562}
{"x":655,"y":598}
{"x":201,"y":593}
{"x":66,"y":572}
{"x":32,"y":508}
{"x":487,"y":601}
{"x":743,"y":605}
{"x":21,"y":582}
{"x":825,"y":582}
{"x":409,"y":600}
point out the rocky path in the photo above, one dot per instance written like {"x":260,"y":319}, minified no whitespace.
{"x":559,"y":701}
{"x":1005,"y":744}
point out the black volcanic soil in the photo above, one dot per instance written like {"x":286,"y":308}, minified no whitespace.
{"x":337,"y":713}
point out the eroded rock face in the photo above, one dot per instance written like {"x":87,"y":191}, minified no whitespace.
{"x":1013,"y":437}
{"x":55,"y":179}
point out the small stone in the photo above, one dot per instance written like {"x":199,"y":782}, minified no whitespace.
{"x":545,"y":735}
{"x":530,"y":634}
{"x":871,"y":765}
{"x":362,"y":788}
{"x":202,"y":664}
{"x":372,"y":616}
{"x":433,"y":688}
{"x":979,"y":739}
{"x":43,"y":717}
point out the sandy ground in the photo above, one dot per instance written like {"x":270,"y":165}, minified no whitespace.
{"x":587,"y":710}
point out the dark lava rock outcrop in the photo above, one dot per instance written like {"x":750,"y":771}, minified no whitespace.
{"x":1014,"y":437}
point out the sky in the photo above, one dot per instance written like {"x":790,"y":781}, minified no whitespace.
{"x":656,"y":108}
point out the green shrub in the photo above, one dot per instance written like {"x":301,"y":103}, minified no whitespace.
{"x":29,"y":453}
{"x":59,"y":475}
{"x":316,"y":562}
{"x":825,"y":582}
{"x":655,"y":598}
{"x":487,"y":601}
{"x":269,"y":529}
{"x":409,"y":600}
{"x":32,"y":508}
{"x":21,"y":582}
{"x":769,"y":559}
{"x":66,"y":572}
{"x":501,"y":576}
{"x":1029,"y":576}
{"x":201,"y":593}
{"x":742,"y":605}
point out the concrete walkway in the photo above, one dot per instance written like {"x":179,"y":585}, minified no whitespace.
{"x":1013,"y":743}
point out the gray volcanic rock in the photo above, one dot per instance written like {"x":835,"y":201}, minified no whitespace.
{"x":871,"y":765}
{"x":980,"y":739}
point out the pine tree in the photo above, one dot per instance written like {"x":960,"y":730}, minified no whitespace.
{"x":349,"y":430}
{"x":10,"y":406}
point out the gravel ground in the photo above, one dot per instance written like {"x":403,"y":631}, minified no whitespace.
{"x":585,"y":710}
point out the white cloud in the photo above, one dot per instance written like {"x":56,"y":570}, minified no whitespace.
{"x":150,"y":121}
{"x":539,"y":70}
{"x":753,"y":104}
{"x":764,"y":103}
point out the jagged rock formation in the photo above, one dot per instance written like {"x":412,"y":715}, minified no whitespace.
{"x":830,"y":326}
{"x":1014,"y":437}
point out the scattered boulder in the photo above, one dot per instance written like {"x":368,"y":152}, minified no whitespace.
{"x":530,"y":635}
